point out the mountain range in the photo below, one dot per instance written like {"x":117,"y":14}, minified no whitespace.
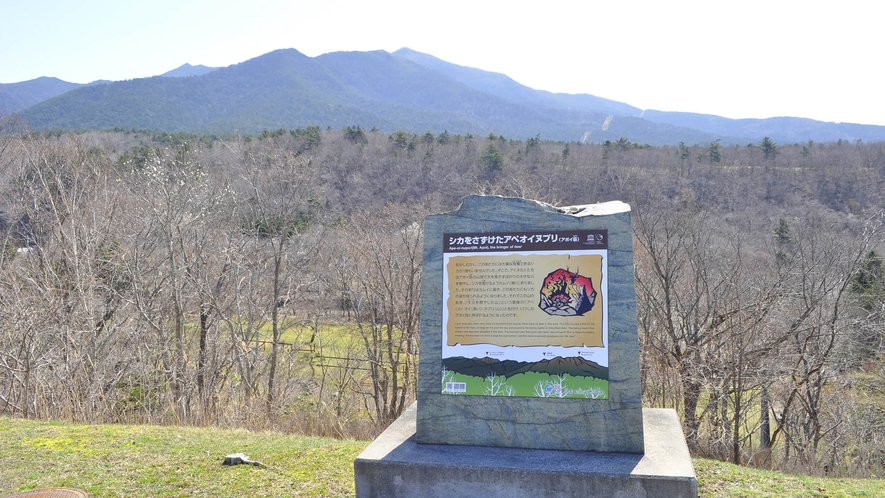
{"x":482,"y":367}
{"x":404,"y":90}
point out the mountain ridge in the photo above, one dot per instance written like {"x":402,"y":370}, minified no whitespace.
{"x":482,"y":367}
{"x":505,"y":87}
{"x":186,"y":70}
{"x":403,"y":90}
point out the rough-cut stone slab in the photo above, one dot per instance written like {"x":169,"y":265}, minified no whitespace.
{"x":394,"y":465}
{"x":612,"y":425}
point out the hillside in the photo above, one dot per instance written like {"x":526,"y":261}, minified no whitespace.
{"x":117,"y":240}
{"x":186,"y":70}
{"x":150,"y":460}
{"x":781,"y":129}
{"x":406,"y":90}
{"x":504,"y":87}
{"x":17,"y":96}
{"x":286,"y":89}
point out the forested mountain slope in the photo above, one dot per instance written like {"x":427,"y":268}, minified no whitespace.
{"x":286,"y":89}
{"x":405,"y":90}
{"x":17,"y":96}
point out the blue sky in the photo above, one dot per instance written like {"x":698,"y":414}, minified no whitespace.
{"x":738,"y":59}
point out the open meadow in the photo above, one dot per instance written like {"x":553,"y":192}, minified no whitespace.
{"x":149,"y":461}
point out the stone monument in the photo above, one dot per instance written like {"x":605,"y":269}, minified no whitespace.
{"x":529,"y":378}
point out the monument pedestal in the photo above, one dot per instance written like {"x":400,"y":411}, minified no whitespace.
{"x":394,"y":465}
{"x":529,"y":382}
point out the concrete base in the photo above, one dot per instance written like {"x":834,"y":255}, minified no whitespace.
{"x":394,"y":465}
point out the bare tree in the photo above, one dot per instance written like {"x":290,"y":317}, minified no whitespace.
{"x":813,"y":320}
{"x":282,"y":215}
{"x":701,"y":314}
{"x":173,"y":229}
{"x":65,"y":280}
{"x":377,"y":266}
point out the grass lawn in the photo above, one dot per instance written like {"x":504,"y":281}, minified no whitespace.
{"x":719,"y":479}
{"x":152,"y":461}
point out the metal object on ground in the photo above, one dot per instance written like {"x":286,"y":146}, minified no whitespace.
{"x":239,"y":459}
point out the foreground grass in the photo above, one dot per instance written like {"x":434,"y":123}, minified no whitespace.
{"x":151,"y":461}
{"x":719,"y":479}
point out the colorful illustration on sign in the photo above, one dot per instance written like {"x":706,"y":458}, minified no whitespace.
{"x":525,"y":314}
{"x":566,"y":293}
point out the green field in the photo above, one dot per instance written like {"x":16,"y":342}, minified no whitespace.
{"x":531,"y":384}
{"x":152,"y":461}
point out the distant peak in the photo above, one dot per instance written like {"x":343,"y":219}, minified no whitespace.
{"x":188,"y":70}
{"x":414,"y":54}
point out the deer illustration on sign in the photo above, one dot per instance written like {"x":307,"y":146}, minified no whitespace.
{"x":567,"y":293}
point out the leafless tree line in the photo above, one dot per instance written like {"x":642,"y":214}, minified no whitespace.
{"x":757,"y":340}
{"x":274,"y":281}
{"x":152,"y":289}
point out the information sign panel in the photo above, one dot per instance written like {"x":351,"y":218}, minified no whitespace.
{"x":525,"y":314}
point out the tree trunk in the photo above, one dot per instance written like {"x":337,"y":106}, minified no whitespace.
{"x":275,"y":322}
{"x":765,"y":421}
{"x":205,"y":309}
{"x":691,"y":392}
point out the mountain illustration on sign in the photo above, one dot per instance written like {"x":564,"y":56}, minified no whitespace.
{"x":483,"y":367}
{"x":567,"y":293}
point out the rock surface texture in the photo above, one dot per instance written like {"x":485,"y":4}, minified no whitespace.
{"x":600,"y":425}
